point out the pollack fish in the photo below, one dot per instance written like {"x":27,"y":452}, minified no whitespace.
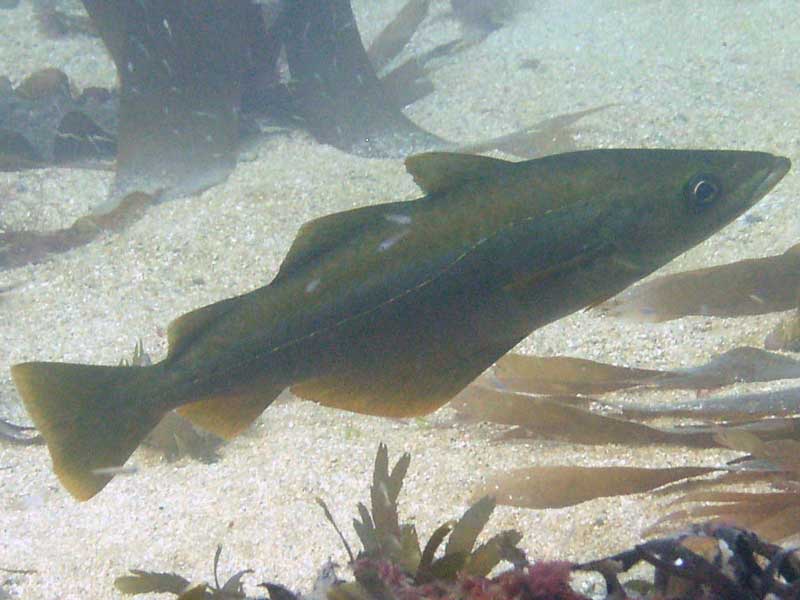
{"x":392,"y":309}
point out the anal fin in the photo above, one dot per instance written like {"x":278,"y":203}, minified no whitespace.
{"x":228,"y":414}
{"x":332,"y":392}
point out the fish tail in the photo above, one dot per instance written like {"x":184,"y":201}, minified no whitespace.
{"x":92,"y":417}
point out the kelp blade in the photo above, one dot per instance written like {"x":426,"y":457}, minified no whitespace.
{"x":551,"y":418}
{"x":746,"y":287}
{"x":179,"y":65}
{"x":557,"y":487}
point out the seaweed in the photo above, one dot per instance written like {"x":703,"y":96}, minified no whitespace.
{"x":396,"y":35}
{"x":556,"y":487}
{"x":763,"y":424}
{"x":19,"y":248}
{"x":335,"y":87}
{"x":385,"y":539}
{"x":705,"y":561}
{"x":708,"y":561}
{"x":558,"y":417}
{"x":175,"y":437}
{"x":180,"y":66}
{"x":483,"y":17}
{"x":772,"y":515}
{"x":567,"y":375}
{"x":146,"y":582}
{"x":752,"y":286}
{"x":550,"y":136}
{"x":204,"y":75}
{"x":755,"y":424}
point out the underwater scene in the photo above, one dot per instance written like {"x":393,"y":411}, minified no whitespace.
{"x":399,"y":299}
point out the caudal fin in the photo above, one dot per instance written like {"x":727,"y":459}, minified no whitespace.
{"x":92,"y":417}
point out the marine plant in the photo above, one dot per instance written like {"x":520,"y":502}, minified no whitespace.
{"x":708,"y":562}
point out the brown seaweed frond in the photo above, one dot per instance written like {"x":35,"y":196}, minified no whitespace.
{"x":139,"y":358}
{"x":773,"y":515}
{"x":148,"y":582}
{"x":565,"y":375}
{"x":764,"y":425}
{"x":386,"y":541}
{"x":746,"y":287}
{"x":18,"y":248}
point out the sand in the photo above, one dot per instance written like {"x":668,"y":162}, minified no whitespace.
{"x":720,"y":73}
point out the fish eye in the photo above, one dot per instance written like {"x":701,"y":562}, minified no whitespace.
{"x":701,"y":191}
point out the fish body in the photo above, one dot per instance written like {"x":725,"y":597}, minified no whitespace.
{"x":392,"y":309}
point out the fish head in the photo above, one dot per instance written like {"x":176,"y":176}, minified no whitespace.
{"x":668,"y":201}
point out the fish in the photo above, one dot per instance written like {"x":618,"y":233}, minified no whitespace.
{"x":391,"y":309}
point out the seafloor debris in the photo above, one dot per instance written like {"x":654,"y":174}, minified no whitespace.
{"x":147,"y":582}
{"x":708,"y":562}
{"x":19,"y":248}
{"x":746,"y":287}
{"x":18,"y":435}
{"x":483,"y":17}
{"x":711,"y":562}
{"x":175,"y":437}
{"x":42,"y":123}
{"x":786,"y":335}
{"x":56,"y":19}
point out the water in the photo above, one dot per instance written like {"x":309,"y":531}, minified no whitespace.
{"x":717,"y":74}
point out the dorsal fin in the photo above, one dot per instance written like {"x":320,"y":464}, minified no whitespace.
{"x":319,"y":236}
{"x":794,"y":250}
{"x":185,"y":329}
{"x":439,"y":171}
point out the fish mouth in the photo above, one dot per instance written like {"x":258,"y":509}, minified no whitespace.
{"x":779,"y":168}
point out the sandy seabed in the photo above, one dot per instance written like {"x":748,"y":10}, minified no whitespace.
{"x":716,"y":74}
